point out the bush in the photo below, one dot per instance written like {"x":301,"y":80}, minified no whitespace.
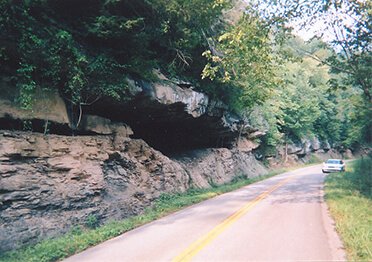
{"x":361,"y":176}
{"x":92,"y":221}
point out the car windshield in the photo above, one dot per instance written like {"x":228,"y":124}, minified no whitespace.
{"x":333,"y":161}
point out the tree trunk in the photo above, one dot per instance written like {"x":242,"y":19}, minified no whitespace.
{"x":285,"y":149}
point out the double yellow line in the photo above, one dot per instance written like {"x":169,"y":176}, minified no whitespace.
{"x":202,"y":242}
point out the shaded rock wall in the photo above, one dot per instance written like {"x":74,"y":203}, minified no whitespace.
{"x":48,"y":183}
{"x":167,"y":114}
{"x":216,"y":166}
{"x":305,"y":151}
{"x":48,"y":106}
{"x":172,"y":117}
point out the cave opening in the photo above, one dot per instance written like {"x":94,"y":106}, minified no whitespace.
{"x":167,"y":128}
{"x":176,"y":137}
{"x":169,"y":137}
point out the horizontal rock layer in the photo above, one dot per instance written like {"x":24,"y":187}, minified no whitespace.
{"x":49,"y":183}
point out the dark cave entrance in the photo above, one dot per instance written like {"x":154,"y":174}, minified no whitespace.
{"x":179,"y":136}
{"x":39,"y":126}
{"x":167,"y":128}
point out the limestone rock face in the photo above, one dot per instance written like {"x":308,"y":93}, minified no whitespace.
{"x":217,"y":166}
{"x":308,"y":146}
{"x":179,"y":117}
{"x":295,"y":148}
{"x":167,"y":94}
{"x":49,"y":106}
{"x":49,"y":183}
{"x":315,"y":144}
{"x":104,"y":126}
{"x":168,"y":114}
{"x":325,"y":146}
{"x":246,"y":145}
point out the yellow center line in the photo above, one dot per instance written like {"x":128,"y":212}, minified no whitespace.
{"x":202,"y":242}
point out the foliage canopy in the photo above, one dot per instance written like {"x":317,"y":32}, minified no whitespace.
{"x":85,"y":49}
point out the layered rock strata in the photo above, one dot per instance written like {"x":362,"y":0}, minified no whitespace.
{"x":49,"y":183}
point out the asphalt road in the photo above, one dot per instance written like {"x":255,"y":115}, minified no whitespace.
{"x":283,"y":218}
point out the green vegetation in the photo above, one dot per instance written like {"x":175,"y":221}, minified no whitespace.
{"x":307,"y":107}
{"x":349,"y":197}
{"x":351,"y":56}
{"x":80,"y":238}
{"x":86,"y":49}
{"x":336,"y":74}
{"x":246,"y":62}
{"x":313,"y":159}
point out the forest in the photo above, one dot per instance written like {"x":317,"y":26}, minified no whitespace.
{"x":252,"y":60}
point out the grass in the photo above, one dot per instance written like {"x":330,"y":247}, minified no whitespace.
{"x":349,"y":197}
{"x":82,"y":237}
{"x":313,"y":159}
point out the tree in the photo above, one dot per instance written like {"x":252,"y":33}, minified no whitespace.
{"x":245,"y":60}
{"x":305,"y":105}
{"x":346,"y":26}
{"x":86,"y":51}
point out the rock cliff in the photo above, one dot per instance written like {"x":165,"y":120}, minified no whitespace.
{"x":48,"y":183}
{"x":168,"y":114}
{"x":112,"y":159}
{"x":83,"y":160}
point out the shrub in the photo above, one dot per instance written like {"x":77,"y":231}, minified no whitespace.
{"x":361,"y":176}
{"x":92,"y":221}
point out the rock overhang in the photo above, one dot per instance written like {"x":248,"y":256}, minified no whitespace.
{"x":168,"y":114}
{"x":172,"y":116}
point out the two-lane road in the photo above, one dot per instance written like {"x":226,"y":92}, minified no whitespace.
{"x":282,"y":218}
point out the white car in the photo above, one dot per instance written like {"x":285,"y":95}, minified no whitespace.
{"x":333,"y":165}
